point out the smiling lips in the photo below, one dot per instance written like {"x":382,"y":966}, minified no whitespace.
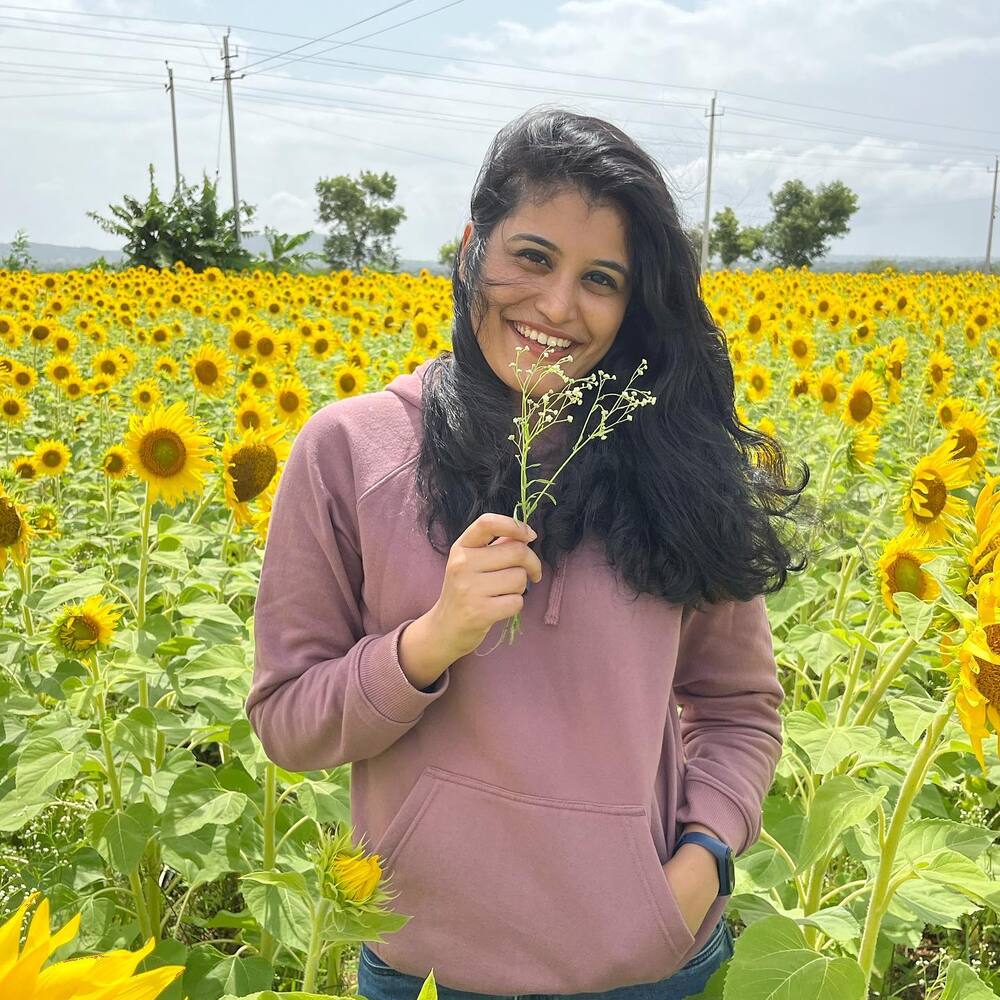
{"x":561,"y":345}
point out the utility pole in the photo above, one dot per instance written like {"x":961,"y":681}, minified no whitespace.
{"x":228,"y":77}
{"x":708,"y":186}
{"x":173,"y":121}
{"x":993,"y":212}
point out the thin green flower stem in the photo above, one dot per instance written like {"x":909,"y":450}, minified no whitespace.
{"x":871,"y":703}
{"x":204,"y":502}
{"x":882,"y":889}
{"x":320,"y":911}
{"x":772,"y":843}
{"x":140,"y":602}
{"x":128,"y":600}
{"x":290,"y":831}
{"x":180,"y":911}
{"x":810,"y":782}
{"x":107,"y":501}
{"x":854,"y":667}
{"x":837,"y":889}
{"x":116,"y":795}
{"x":333,"y":967}
{"x":24,"y":572}
{"x":267,"y":942}
{"x":225,"y":541}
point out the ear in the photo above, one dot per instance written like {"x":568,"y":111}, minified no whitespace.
{"x":463,"y":243}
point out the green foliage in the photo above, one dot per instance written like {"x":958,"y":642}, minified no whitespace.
{"x":447,"y":251}
{"x":188,"y":227}
{"x":361,"y":219}
{"x":804,"y":222}
{"x":18,"y":259}
{"x":282,"y":247}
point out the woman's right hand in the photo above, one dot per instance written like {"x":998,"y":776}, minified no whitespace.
{"x":487,"y":573}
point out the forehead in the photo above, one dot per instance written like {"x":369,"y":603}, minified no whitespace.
{"x":570,"y":215}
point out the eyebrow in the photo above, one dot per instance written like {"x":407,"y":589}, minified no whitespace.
{"x":614,"y":265}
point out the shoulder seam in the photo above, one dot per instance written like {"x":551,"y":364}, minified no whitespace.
{"x":389,"y":475}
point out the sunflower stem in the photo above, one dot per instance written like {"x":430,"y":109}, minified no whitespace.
{"x":320,"y":911}
{"x":882,"y":682}
{"x":140,"y":603}
{"x":854,"y":667}
{"x":882,"y":890}
{"x":267,"y":942}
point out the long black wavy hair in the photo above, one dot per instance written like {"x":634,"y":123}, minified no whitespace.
{"x":684,"y":495}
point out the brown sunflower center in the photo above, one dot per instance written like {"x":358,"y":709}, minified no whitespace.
{"x":988,"y":680}
{"x":348,"y":382}
{"x":26,"y":470}
{"x":51,"y":458}
{"x":829,"y":393}
{"x":289,"y":401}
{"x":114,"y":463}
{"x":242,"y":339}
{"x":936,"y":496}
{"x":800,"y":348}
{"x":10,"y":523}
{"x":108,"y":367}
{"x":252,"y":468}
{"x":265,"y":346}
{"x":207,"y":372}
{"x":11,"y":407}
{"x":162,"y":452}
{"x":251,"y":418}
{"x":861,"y":405}
{"x":968,"y":443}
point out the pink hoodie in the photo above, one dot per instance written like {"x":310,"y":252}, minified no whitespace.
{"x":524,"y":803}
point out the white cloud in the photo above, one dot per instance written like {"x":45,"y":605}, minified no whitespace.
{"x":926,"y":54}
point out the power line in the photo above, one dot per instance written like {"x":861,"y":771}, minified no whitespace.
{"x":518,"y":66}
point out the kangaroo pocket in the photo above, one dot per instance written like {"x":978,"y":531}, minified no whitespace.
{"x":512,"y":893}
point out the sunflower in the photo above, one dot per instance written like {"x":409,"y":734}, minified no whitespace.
{"x":349,"y":380}
{"x":59,"y":369}
{"x":978,"y":698}
{"x":802,"y":349}
{"x":52,"y":457}
{"x":968,"y":440}
{"x":14,"y":408}
{"x":249,"y":464}
{"x":928,"y":507}
{"x":25,"y":467}
{"x":261,"y":378}
{"x":241,"y":339}
{"x":166,"y":366}
{"x":865,"y":404}
{"x":44,"y":519}
{"x":74,"y":388}
{"x":900,"y":568}
{"x":829,"y":387}
{"x":80,"y":628}
{"x":146,"y":394}
{"x":949,"y":409}
{"x":252,"y":413}
{"x":265,"y":347}
{"x":168,"y":453}
{"x":321,"y":345}
{"x":758,"y":383}
{"x":115,"y":462}
{"x":982,"y":549}
{"x":939,"y":373}
{"x":23,"y":379}
{"x":210,"y":370}
{"x":292,"y":401}
{"x":108,"y":363}
{"x":106,"y":976}
{"x":15,"y":531}
{"x":861,"y":450}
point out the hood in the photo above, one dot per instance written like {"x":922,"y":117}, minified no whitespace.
{"x":409,"y":388}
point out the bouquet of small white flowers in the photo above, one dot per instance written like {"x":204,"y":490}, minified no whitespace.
{"x":547,"y":411}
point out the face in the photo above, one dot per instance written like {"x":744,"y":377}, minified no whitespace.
{"x":561,"y":266}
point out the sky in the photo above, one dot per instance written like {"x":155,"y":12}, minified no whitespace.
{"x":896,"y":98}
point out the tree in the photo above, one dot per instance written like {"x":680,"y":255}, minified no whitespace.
{"x":280,"y":247}
{"x":724,"y":237}
{"x":447,"y":251}
{"x":804,"y":222}
{"x":18,"y":258}
{"x":189,"y":228}
{"x":361,"y":220}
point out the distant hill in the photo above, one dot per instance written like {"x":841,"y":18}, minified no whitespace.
{"x":52,"y":257}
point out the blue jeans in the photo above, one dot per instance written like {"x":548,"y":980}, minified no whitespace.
{"x":378,"y":981}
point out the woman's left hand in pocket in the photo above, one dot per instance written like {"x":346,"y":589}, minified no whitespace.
{"x":694,"y":882}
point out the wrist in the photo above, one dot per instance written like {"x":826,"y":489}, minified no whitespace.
{"x":423,"y":657}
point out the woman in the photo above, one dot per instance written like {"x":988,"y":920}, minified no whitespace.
{"x":528,"y":804}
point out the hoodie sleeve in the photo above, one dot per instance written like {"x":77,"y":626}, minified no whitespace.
{"x":727,"y":685}
{"x":323,"y":693}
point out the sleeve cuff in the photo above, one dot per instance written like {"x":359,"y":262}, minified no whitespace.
{"x":708,"y":804}
{"x":387,"y":688}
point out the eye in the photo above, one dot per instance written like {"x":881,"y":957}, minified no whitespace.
{"x":611,"y":283}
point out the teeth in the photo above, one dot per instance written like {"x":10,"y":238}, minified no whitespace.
{"x":544,"y":339}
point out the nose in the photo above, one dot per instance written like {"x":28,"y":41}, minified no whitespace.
{"x":556,"y":300}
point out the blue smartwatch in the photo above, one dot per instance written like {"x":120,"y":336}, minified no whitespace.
{"x":723,"y":857}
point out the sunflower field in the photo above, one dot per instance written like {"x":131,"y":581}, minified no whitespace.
{"x":145,"y":419}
